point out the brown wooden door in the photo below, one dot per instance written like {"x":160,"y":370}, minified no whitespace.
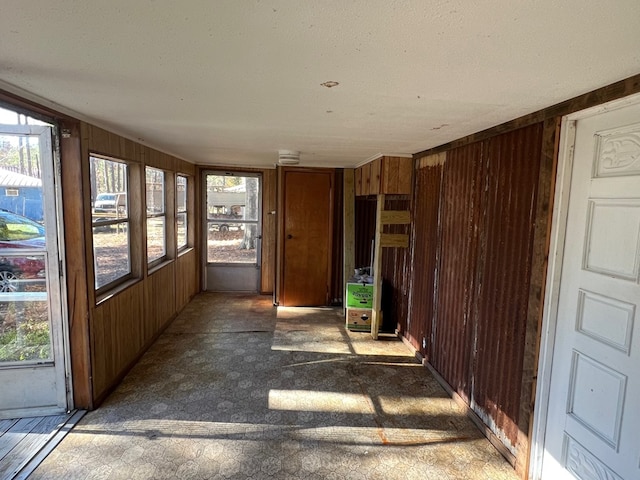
{"x":307,"y":238}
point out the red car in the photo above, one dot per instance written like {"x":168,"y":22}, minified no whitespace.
{"x":18,"y":232}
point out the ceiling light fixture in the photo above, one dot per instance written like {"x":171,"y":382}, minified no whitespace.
{"x":288,"y":157}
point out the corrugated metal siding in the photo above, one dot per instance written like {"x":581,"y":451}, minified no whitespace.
{"x":426,"y":206}
{"x":365,"y":219}
{"x":460,"y":216}
{"x":504,"y":270}
{"x":395,"y":271}
{"x":482,"y":271}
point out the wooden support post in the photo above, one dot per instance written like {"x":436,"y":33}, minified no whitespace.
{"x":376,"y":309}
{"x":349,"y":241}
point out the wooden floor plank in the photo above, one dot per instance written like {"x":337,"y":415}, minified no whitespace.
{"x":5,"y":425}
{"x":53,"y":441}
{"x":16,"y":434}
{"x":31,"y":444}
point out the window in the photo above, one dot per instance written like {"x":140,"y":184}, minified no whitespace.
{"x":182,"y":222}
{"x":110,"y":221}
{"x":156,"y":216}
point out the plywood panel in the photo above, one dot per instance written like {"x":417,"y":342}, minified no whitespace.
{"x":78,"y":290}
{"x":358,"y":181}
{"x":366,"y":179}
{"x":349,"y":226}
{"x":395,"y":217}
{"x":117,"y":328}
{"x":159,"y":307}
{"x":397,"y":175}
{"x":269,"y":198}
{"x":365,"y":227}
{"x":395,"y":265}
{"x":375,"y":176}
{"x":106,"y":143}
{"x":186,"y":281}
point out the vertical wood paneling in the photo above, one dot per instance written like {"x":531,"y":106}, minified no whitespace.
{"x":460,"y":214}
{"x":365,"y":221}
{"x":366,"y":179}
{"x":124,"y":325}
{"x":358,"y":181}
{"x":503,"y":272}
{"x":426,"y":206}
{"x":77,"y":276}
{"x":186,"y":282}
{"x":374,"y":177}
{"x":269,"y":227}
{"x":397,"y":175}
{"x":395,"y":268}
{"x":336,"y":285}
{"x":159,"y":308}
{"x":117,"y":338}
{"x":349,"y":226}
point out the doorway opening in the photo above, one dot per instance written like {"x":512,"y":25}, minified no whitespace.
{"x":232,"y":231}
{"x":33,"y":335}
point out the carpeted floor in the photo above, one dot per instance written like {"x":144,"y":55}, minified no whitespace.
{"x":236,"y":389}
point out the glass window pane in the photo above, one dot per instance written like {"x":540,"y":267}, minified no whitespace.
{"x":24,"y":328}
{"x":233,"y":198}
{"x":111,"y":253}
{"x":181,"y":219}
{"x":111,"y":244}
{"x":155,"y":191}
{"x":22,"y":274}
{"x":156,"y":228}
{"x":155,"y":238}
{"x":227,"y":244}
{"x":181,"y":193}
{"x":24,"y":310}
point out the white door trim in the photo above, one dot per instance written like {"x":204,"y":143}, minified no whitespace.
{"x":554,"y":275}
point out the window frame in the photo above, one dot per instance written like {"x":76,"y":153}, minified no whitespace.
{"x":185,"y":212}
{"x":126,"y":221}
{"x":162,"y":214}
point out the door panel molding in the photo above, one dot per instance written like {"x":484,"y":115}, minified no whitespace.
{"x":553,"y":281}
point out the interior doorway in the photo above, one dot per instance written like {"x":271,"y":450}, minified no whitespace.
{"x":33,"y":348}
{"x":232,"y":231}
{"x":589,"y":390}
{"x":307,"y":226}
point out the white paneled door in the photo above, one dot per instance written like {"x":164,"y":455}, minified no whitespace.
{"x":593,"y":420}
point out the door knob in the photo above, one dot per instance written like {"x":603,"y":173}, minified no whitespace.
{"x":289,"y":237}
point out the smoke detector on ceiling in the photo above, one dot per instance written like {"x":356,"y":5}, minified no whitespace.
{"x":288,"y":157}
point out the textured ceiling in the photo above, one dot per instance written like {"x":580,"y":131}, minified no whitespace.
{"x":232,"y":82}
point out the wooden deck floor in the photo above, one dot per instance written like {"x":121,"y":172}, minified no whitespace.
{"x":25,"y":442}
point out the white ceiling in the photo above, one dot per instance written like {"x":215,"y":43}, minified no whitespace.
{"x":234,"y":81}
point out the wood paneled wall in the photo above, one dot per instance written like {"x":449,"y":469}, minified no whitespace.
{"x":395,"y":270}
{"x":121,"y":326}
{"x":269,"y":231}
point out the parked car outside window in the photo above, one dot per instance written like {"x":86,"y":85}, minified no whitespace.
{"x":18,"y":232}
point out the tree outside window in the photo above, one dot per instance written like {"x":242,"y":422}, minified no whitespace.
{"x":110,"y":221}
{"x":156,"y":216}
{"x":182,"y":223}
